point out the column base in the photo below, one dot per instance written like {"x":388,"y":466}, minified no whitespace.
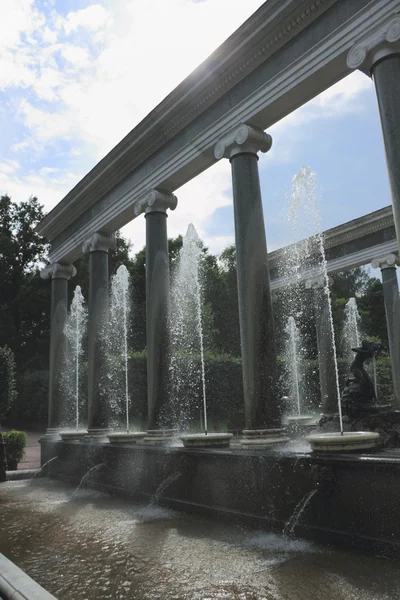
{"x":96,"y":436}
{"x":160,"y":437}
{"x":259,"y":439}
{"x":52,"y":433}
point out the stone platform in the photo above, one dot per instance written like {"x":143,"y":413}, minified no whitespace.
{"x":356,"y":504}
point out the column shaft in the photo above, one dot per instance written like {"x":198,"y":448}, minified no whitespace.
{"x":255,"y":305}
{"x":386,"y":76}
{"x":392,"y":309}
{"x":157,"y":310}
{"x":59,"y":311}
{"x":97,"y":316}
{"x":326,"y":357}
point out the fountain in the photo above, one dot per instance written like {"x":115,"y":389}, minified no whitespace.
{"x":351,"y":328}
{"x":293,"y":357}
{"x":305,"y":193}
{"x":75,"y":331}
{"x":117,"y":346}
{"x":187,"y":337}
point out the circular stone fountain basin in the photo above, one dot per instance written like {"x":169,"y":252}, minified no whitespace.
{"x":72,"y":436}
{"x":121,"y":437}
{"x":211,"y":440}
{"x":349,"y":441}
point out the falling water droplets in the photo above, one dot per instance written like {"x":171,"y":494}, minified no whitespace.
{"x":75,"y":332}
{"x":186,"y":330}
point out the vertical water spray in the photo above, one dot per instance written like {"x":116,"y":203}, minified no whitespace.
{"x":120,"y":310}
{"x":304,"y":213}
{"x":293,"y":357}
{"x":75,"y":330}
{"x":188,"y":341}
{"x":351,"y":328}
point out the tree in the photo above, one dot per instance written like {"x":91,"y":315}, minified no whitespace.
{"x":24,"y":305}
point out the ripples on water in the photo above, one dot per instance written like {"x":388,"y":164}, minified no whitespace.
{"x":99,"y":547}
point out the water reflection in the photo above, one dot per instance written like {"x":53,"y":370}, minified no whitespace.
{"x":102,"y":547}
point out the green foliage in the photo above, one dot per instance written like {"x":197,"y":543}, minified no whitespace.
{"x":15,"y":444}
{"x":32,"y":403}
{"x":25,"y":302}
{"x":8,"y":392}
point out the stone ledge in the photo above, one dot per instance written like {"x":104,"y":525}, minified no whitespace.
{"x":15,"y":584}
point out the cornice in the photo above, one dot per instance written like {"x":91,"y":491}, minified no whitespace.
{"x":347,"y":232}
{"x":295,"y":83}
{"x":267,"y":30}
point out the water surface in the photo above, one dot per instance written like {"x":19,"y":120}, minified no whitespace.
{"x":101,"y":547}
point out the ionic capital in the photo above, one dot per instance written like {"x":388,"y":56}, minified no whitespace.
{"x":379,"y":43}
{"x":156,"y":201}
{"x":243,"y":139}
{"x":99,"y":241}
{"x":58,"y":271}
{"x":386,"y":262}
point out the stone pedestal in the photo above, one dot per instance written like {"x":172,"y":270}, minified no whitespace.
{"x":59,"y":274}
{"x":98,"y":417}
{"x":159,"y":437}
{"x":387,"y":264}
{"x":155,"y":207}
{"x":257,"y":335}
{"x":261,"y":439}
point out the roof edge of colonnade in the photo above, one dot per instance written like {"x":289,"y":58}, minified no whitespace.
{"x":239,"y":82}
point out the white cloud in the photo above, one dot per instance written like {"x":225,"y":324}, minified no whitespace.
{"x":91,"y":18}
{"x":9,"y":166}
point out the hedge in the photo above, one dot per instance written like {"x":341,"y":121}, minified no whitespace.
{"x":224,"y":392}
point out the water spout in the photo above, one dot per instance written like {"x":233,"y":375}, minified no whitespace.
{"x":85,"y":477}
{"x":41,"y":468}
{"x":298,"y":511}
{"x":292,"y":352}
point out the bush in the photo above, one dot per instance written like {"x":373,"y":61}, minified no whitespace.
{"x":8,"y":393}
{"x":15,"y":444}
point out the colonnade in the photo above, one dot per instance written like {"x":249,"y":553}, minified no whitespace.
{"x":381,"y":60}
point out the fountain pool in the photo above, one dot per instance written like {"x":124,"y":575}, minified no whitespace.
{"x":102,"y":547}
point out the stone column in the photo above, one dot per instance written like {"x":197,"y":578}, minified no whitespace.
{"x":98,"y":408}
{"x":259,"y":366}
{"x":378,"y":55}
{"x":59,"y":274}
{"x":155,"y":207}
{"x":391,"y":297}
{"x":326,"y":356}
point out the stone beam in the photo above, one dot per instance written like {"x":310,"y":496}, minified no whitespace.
{"x":308,"y":64}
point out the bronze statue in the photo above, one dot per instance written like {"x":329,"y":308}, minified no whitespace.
{"x":359,"y":392}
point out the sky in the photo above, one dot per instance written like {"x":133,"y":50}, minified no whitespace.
{"x":76,"y":76}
